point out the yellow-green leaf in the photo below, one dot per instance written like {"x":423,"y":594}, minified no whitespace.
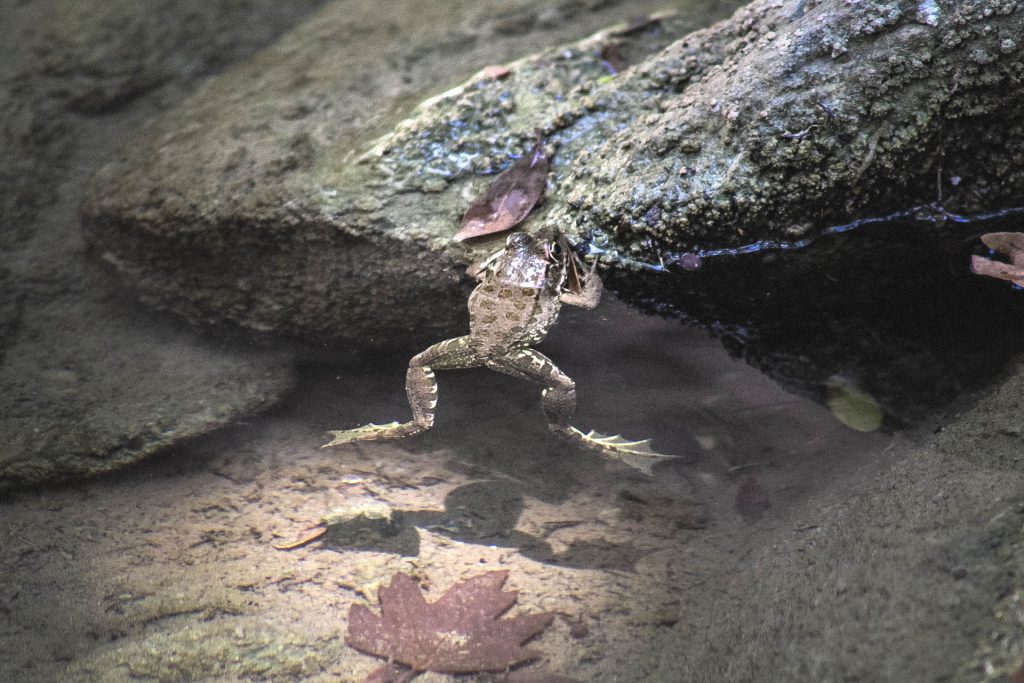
{"x":851,"y":405}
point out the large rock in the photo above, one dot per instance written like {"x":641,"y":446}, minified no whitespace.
{"x":88,"y":381}
{"x":262,"y":199}
{"x":88,"y":386}
{"x":301,"y":192}
{"x":96,"y":58}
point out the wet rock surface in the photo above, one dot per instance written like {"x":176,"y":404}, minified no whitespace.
{"x":90,"y":381}
{"x":259,"y":200}
{"x":72,"y":58}
{"x":756,"y":147}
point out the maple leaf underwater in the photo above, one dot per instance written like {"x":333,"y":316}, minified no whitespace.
{"x":462,"y":632}
{"x":510,"y":197}
{"x":1009,"y":243}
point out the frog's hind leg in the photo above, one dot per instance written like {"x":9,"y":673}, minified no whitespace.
{"x":559,"y":403}
{"x":421,"y":388}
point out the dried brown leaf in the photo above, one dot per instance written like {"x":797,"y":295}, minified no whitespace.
{"x":462,"y":632}
{"x":613,"y":58}
{"x":1009,"y":243}
{"x":510,"y":197}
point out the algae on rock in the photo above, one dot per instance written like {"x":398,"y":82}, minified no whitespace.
{"x":262,"y":201}
{"x":303,"y":193}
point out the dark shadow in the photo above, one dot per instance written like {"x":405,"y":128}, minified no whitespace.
{"x":892,"y":306}
{"x":482,"y":512}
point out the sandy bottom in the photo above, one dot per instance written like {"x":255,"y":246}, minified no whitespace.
{"x":168,"y":571}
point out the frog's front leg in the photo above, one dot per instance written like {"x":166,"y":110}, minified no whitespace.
{"x":559,"y":404}
{"x":590,"y":297}
{"x":421,"y":389}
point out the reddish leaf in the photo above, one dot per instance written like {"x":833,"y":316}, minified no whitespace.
{"x":1018,"y":675}
{"x":496,"y":72}
{"x":613,"y":58}
{"x":463,"y":632}
{"x":510,"y":197}
{"x":1009,"y":243}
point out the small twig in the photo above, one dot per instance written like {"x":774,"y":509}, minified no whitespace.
{"x":748,"y":465}
{"x":304,"y":540}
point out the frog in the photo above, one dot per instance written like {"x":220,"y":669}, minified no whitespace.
{"x":522,"y":287}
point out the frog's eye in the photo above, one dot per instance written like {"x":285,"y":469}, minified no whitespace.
{"x":517,"y":239}
{"x":552,"y":251}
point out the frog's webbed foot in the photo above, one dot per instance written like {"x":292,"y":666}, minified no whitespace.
{"x":374,"y":432}
{"x":559,"y":403}
{"x":636,"y":454}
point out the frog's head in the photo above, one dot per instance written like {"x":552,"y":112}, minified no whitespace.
{"x":528,"y":261}
{"x":523,"y":245}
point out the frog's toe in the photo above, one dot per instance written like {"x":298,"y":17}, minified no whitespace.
{"x":636,"y":454}
{"x":374,"y":432}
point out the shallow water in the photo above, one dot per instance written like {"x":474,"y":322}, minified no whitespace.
{"x":111,"y":572}
{"x":778,"y":545}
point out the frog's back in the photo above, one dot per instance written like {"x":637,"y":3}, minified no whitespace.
{"x":504,"y":316}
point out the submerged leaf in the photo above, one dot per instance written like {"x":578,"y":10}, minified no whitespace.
{"x":1009,"y":243}
{"x":510,"y":197}
{"x":462,"y":632}
{"x":851,"y":405}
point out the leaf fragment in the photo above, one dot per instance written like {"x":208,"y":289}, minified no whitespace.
{"x":313,"y":533}
{"x":510,"y":197}
{"x":494,"y":72}
{"x":853,"y":406}
{"x":1008,"y":243}
{"x":462,"y":632}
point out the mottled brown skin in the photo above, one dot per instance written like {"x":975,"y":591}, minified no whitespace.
{"x":522,"y":289}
